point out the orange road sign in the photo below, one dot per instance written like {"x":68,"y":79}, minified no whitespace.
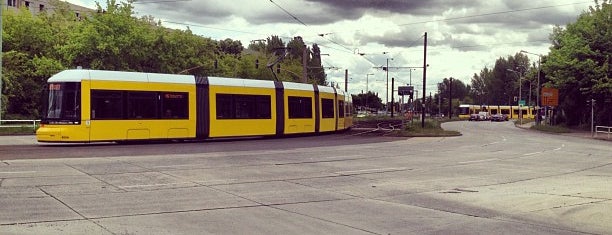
{"x":550,"y":96}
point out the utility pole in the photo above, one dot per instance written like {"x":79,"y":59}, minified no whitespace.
{"x":305,"y":65}
{"x":439,"y":103}
{"x":592,"y":117}
{"x":387,"y":90}
{"x":538,"y":88}
{"x":392,"y":95}
{"x":424,"y":79}
{"x":450,"y":98}
{"x":346,"y":80}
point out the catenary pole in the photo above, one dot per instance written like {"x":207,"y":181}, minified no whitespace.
{"x":424,"y":80}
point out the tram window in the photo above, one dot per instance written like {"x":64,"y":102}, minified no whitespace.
{"x":106,"y":105}
{"x":175,"y":105}
{"x":300,"y":107}
{"x":505,"y":111}
{"x":142,"y":105}
{"x":328,"y":108}
{"x":341,"y":108}
{"x":230,"y":106}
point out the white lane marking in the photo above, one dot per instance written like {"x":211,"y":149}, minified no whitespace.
{"x":17,"y":172}
{"x":374,"y":170}
{"x":477,"y":161}
{"x":559,"y":148}
{"x":534,"y":153}
{"x":152,"y":185}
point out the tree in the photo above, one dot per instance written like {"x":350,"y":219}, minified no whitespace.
{"x":28,"y":46}
{"x":316,"y":72}
{"x":369,"y":100}
{"x":499,"y":86}
{"x":579,"y":66}
{"x":229,"y":46}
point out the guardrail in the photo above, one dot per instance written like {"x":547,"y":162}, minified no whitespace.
{"x":19,"y":123}
{"x":603,"y":129}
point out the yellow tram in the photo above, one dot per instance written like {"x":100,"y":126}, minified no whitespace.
{"x":95,"y":105}
{"x":512,"y":112}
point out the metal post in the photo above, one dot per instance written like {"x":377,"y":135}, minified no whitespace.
{"x":519,"y":106}
{"x":1,"y":63}
{"x":346,"y":80}
{"x":392,"y":95}
{"x":410,"y":83}
{"x":592,"y":116}
{"x":424,"y":79}
{"x":304,"y":65}
{"x":538,"y":89}
{"x":387,"y":90}
{"x":450,"y":98}
{"x":366,"y":96}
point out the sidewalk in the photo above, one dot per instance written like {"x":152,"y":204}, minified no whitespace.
{"x":17,"y":139}
{"x":574,"y":133}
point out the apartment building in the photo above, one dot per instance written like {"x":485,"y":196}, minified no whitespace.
{"x":37,"y":6}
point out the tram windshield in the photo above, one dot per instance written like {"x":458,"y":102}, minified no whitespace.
{"x":63,"y":103}
{"x":464,"y":110}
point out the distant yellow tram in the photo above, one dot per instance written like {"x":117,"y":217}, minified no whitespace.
{"x":95,"y":105}
{"x":512,"y":111}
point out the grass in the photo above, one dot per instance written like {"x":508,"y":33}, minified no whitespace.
{"x":551,"y":129}
{"x":432,"y":129}
{"x":25,"y":130}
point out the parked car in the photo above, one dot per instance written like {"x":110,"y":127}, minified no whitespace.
{"x":483,"y":116}
{"x":499,"y":117}
{"x":473,"y":117}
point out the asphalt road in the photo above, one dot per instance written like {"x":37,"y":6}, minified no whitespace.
{"x":494,"y":179}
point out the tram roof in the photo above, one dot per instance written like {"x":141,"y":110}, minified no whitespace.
{"x":78,"y":75}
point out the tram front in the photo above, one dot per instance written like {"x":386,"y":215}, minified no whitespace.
{"x":61,"y":120}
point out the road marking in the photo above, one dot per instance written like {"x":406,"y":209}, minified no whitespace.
{"x":559,"y":148}
{"x":534,"y":153}
{"x":152,"y":185}
{"x":477,"y":161}
{"x":17,"y":172}
{"x":374,"y":170}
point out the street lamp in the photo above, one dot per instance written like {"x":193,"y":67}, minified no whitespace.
{"x":367,"y":92}
{"x":367,"y":76}
{"x":518,"y":74}
{"x":410,"y":83}
{"x":538,"y":88}
{"x":387,"y":90}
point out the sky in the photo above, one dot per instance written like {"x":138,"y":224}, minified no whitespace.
{"x":463,"y":36}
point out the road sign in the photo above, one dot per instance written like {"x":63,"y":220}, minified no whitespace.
{"x":405,"y":90}
{"x":521,"y":102}
{"x":550,"y":96}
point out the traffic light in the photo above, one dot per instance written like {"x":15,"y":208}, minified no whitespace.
{"x":384,"y":68}
{"x":278,"y":68}
{"x":257,"y":63}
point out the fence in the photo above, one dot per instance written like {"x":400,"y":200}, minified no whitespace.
{"x":19,"y":123}
{"x":603,"y":129}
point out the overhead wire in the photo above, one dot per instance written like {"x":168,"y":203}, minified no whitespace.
{"x":492,"y":13}
{"x":288,"y":13}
